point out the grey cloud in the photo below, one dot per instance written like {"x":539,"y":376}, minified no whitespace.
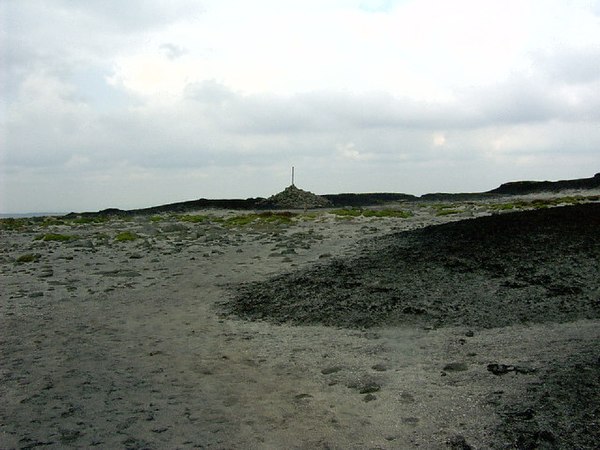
{"x":173,"y":51}
{"x":517,"y":101}
{"x":317,"y":111}
{"x":62,"y":36}
{"x":216,"y":126}
{"x":572,"y":66}
{"x":209,"y":91}
{"x":133,"y":15}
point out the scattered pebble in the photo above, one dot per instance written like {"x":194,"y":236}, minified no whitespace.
{"x":458,"y":442}
{"x":369,"y":388}
{"x":330,"y":370}
{"x":456,"y":367}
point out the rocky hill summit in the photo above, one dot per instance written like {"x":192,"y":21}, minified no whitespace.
{"x":293,"y":197}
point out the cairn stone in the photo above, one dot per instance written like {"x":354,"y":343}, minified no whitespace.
{"x":294,"y":198}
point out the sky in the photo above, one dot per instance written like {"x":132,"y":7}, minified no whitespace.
{"x":106,"y":103}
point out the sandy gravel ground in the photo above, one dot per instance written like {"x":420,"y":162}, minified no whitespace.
{"x":109,"y":343}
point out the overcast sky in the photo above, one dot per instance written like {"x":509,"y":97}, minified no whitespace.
{"x":111,"y":103}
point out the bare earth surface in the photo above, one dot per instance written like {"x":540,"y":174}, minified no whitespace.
{"x":114,"y":343}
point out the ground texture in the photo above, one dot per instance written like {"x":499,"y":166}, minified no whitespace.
{"x":406,"y":327}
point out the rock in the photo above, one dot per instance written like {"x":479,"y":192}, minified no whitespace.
{"x":369,"y":387}
{"x":410,"y":420}
{"x":407,"y":397}
{"x":380,"y":367}
{"x":469,"y":333}
{"x":458,"y":442}
{"x":500,"y":369}
{"x":84,"y":243}
{"x":456,"y":367}
{"x":292,"y":197}
{"x":330,"y":370}
{"x":173,"y":228}
{"x":369,"y":398}
{"x":46,"y":273}
{"x":525,"y":370}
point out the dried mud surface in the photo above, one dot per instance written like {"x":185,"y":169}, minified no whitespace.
{"x":113,"y":334}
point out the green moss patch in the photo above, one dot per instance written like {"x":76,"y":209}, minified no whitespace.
{"x":13,"y":224}
{"x":27,"y":258}
{"x":126,"y":236}
{"x":398,"y":213}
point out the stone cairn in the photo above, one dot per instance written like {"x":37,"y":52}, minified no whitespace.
{"x":294,"y":198}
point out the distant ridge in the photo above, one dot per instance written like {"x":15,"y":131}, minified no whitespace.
{"x":295,"y":198}
{"x":530,"y":187}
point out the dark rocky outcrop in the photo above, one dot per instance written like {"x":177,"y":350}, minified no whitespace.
{"x":534,"y":266}
{"x":295,"y":198}
{"x":530,"y":187}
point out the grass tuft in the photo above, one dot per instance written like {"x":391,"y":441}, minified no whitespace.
{"x":126,"y":236}
{"x":447,"y":212}
{"x":388,"y":213}
{"x":27,"y":258}
{"x":12,"y":224}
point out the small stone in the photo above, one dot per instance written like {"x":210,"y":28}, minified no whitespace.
{"x":410,"y":420}
{"x":369,"y":398}
{"x":525,"y":370}
{"x":469,"y":333}
{"x":500,"y":369}
{"x":36,"y":294}
{"x":458,"y":442}
{"x":380,"y":367}
{"x":406,"y":397}
{"x":456,"y":367}
{"x":330,"y":370}
{"x":369,"y":388}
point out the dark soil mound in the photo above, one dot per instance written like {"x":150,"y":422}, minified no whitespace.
{"x":534,"y":266}
{"x":561,"y":411}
